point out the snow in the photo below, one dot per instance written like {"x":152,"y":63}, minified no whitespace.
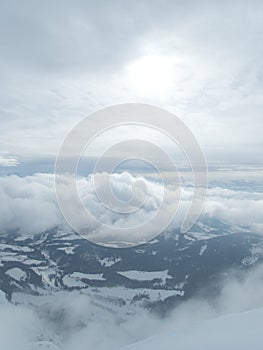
{"x":17,"y":274}
{"x":256,"y":253}
{"x":240,"y":331}
{"x":203,"y":249}
{"x":3,"y":254}
{"x":67,"y":250}
{"x":154,"y":252}
{"x":90,"y":276}
{"x":47,"y":274}
{"x":9,"y":256}
{"x":200,"y":235}
{"x":73,"y":282}
{"x":104,"y":295}
{"x":205,"y":227}
{"x":140,"y":251}
{"x":74,"y":279}
{"x":66,"y":235}
{"x":15,"y":248}
{"x":5,"y":257}
{"x":3,"y":299}
{"x":153,"y":241}
{"x":145,"y":275}
{"x":128,"y":293}
{"x":107,"y":262}
{"x":32,"y":262}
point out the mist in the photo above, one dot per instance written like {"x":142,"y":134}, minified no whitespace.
{"x":72,"y":321}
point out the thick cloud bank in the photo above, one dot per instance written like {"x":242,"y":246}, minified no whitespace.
{"x":29,"y":204}
{"x":239,"y":207}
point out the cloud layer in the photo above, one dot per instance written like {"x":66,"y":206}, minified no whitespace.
{"x":61,"y":62}
{"x":30,"y":205}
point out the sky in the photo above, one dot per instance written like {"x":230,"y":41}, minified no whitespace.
{"x":61,"y":61}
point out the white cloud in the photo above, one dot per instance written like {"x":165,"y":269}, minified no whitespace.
{"x":8,"y":161}
{"x":241,"y":208}
{"x":30,"y":205}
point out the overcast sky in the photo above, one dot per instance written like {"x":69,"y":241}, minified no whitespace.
{"x":62,"y":60}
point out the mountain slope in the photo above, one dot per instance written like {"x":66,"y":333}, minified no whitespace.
{"x":156,"y":274}
{"x":240,"y":331}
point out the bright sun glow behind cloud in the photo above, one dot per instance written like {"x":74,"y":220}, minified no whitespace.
{"x":151,"y":74}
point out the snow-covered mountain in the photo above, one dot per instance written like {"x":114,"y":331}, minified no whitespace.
{"x":49,"y":272}
{"x":156,"y":275}
{"x":240,"y":331}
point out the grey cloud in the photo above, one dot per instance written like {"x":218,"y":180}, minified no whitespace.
{"x":61,"y":61}
{"x":56,"y":36}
